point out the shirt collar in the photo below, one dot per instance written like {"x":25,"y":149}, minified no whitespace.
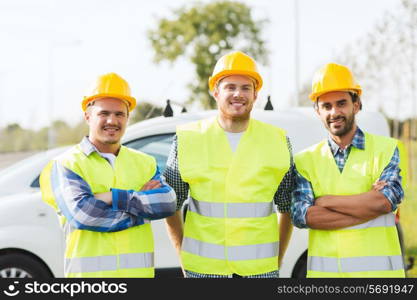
{"x":87,"y":147}
{"x":358,"y":142}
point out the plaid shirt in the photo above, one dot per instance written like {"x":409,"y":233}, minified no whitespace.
{"x":303,"y":194}
{"x":76,"y":201}
{"x":190,"y":274}
{"x":282,"y":197}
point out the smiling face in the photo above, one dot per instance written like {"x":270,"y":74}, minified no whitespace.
{"x":337,"y":112}
{"x":107,"y":119}
{"x":235,"y":96}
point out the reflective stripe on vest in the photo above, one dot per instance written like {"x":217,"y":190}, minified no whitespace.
{"x":232,"y":197}
{"x":355,"y":264}
{"x":234,"y":253}
{"x":360,"y":249}
{"x":125,"y":253}
{"x":231,"y":210}
{"x":109,"y":263}
{"x":382,"y":221}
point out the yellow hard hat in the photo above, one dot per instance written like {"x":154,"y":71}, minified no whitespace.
{"x":235,"y":63}
{"x":333,"y":77}
{"x":110,"y":85}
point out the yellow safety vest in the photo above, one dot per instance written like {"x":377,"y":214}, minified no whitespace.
{"x":370,"y":249}
{"x":126,"y":253}
{"x":231,"y":226}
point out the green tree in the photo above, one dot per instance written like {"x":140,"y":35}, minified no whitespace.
{"x":143,"y":111}
{"x":14,"y":138}
{"x":203,"y":33}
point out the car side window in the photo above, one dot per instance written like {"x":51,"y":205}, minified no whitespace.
{"x":157,"y":146}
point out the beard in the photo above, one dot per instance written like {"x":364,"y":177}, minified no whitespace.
{"x":347,"y":127}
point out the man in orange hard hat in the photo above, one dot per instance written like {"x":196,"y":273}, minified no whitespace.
{"x":347,"y":188}
{"x":106,"y":194}
{"x":234,"y":169}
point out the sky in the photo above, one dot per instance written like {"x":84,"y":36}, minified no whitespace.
{"x":51,"y":50}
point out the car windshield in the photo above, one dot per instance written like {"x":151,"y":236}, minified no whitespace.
{"x":157,"y":145}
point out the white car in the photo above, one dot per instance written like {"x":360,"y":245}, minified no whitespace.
{"x":31,"y":240}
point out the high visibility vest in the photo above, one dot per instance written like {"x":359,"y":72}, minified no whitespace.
{"x":370,"y":249}
{"x":126,"y":253}
{"x":231,"y":226}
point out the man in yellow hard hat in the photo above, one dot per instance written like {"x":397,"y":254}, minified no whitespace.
{"x":107,"y":194}
{"x":347,"y":188}
{"x":234,"y":168}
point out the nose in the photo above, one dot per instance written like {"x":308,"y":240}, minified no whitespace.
{"x":111,"y":119}
{"x":334,"y":111}
{"x":237,"y":93}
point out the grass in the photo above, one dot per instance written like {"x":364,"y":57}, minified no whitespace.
{"x":408,"y":211}
{"x":408,"y":216}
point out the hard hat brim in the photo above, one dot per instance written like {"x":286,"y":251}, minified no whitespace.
{"x":213,"y":80}
{"x":130,"y":100}
{"x":314,"y":96}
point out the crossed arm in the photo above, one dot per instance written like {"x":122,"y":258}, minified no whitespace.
{"x":111,"y":211}
{"x":333,"y":212}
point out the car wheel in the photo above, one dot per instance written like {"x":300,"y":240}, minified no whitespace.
{"x":300,"y":268}
{"x":18,"y":265}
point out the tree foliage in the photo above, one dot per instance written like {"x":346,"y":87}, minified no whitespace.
{"x":143,"y":111}
{"x":14,"y":138}
{"x":203,"y":33}
{"x":384,"y":62}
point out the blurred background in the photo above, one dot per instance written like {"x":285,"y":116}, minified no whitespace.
{"x":52,"y":50}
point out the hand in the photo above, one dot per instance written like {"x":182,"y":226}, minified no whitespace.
{"x":150,"y":185}
{"x":379,"y":185}
{"x":105,"y":197}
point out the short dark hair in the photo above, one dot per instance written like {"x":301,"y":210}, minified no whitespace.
{"x":355,"y":98}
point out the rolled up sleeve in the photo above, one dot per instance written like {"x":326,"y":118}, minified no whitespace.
{"x":393,"y":191}
{"x":302,"y":199}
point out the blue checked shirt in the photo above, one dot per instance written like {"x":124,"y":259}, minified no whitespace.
{"x":129,"y":208}
{"x":303,"y":194}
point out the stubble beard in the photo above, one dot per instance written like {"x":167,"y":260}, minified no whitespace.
{"x":349,"y":123}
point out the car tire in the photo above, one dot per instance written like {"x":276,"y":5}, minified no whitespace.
{"x":300,"y":268}
{"x":19,"y":265}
